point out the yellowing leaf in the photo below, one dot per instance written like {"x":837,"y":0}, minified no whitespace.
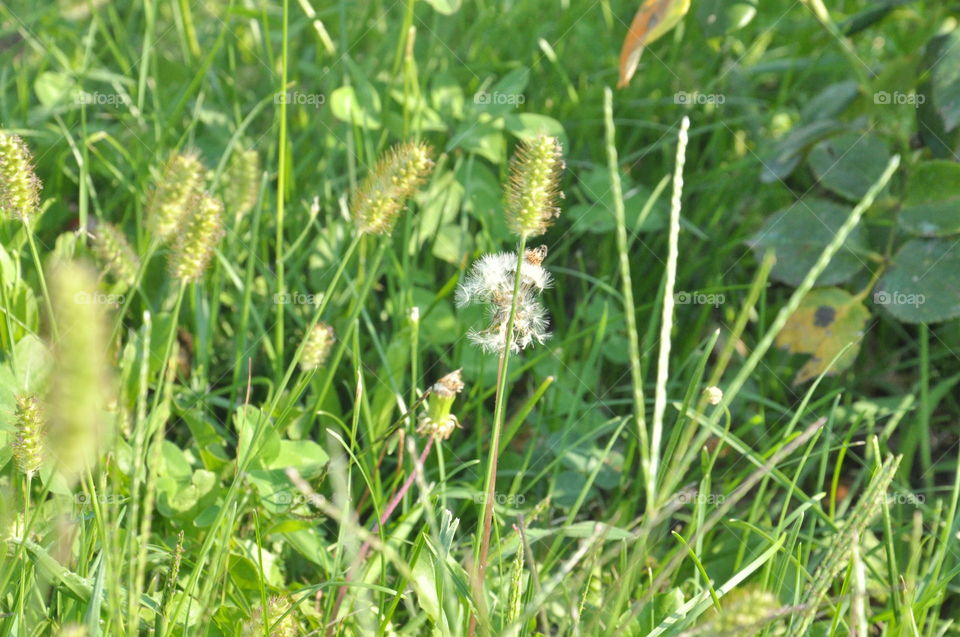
{"x":653,"y":19}
{"x":827,"y":320}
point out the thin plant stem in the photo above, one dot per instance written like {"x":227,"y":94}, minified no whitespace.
{"x":43,"y":280}
{"x":498,"y":412}
{"x":281,"y":189}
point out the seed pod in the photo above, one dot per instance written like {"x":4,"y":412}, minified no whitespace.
{"x":438,"y":421}
{"x":31,"y":431}
{"x":19,"y":186}
{"x":81,"y":381}
{"x":320,"y":341}
{"x":198,"y":239}
{"x":112,"y":249}
{"x":242,"y":182}
{"x":169,"y":205}
{"x":534,"y":187}
{"x":395,"y":178}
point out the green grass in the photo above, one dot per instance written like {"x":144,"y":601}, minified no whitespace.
{"x":624,"y":501}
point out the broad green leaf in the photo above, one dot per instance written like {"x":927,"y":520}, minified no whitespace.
{"x":446,"y":7}
{"x":596,"y":216}
{"x":931,"y":205}
{"x":849,"y":164}
{"x":306,"y":456}
{"x":451,"y":243}
{"x":827,"y":321}
{"x":921,"y":285}
{"x":799,"y":234}
{"x":52,"y":88}
{"x":505,"y":95}
{"x":531,"y":125}
{"x":484,"y":139}
{"x":719,"y":17}
{"x":831,"y":101}
{"x":356,"y":107}
{"x":945,"y":79}
{"x":789,"y":151}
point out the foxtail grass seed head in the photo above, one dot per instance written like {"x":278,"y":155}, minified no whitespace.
{"x":744,"y":611}
{"x":113,"y":250}
{"x":242,"y":182}
{"x":82,"y":384}
{"x":437,"y":421}
{"x":490,"y":282}
{"x":180,"y":182}
{"x":534,"y":186}
{"x":30,"y":437}
{"x":19,"y":186}
{"x":320,"y":341}
{"x":73,"y":630}
{"x":198,"y":240}
{"x":392,"y":181}
{"x":276,"y":607}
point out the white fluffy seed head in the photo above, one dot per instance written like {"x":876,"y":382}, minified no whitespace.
{"x":492,"y":277}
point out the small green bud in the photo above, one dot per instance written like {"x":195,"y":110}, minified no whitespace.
{"x":180,"y":182}
{"x":534,"y":187}
{"x":113,"y":250}
{"x":320,"y":341}
{"x":198,"y":239}
{"x":31,"y":433}
{"x":19,"y":186}
{"x":394,"y":179}
{"x":242,"y":182}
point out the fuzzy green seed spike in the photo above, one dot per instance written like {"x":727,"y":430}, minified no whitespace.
{"x":276,"y":607}
{"x":198,"y":239}
{"x":19,"y":186}
{"x":320,"y":341}
{"x":113,"y":250}
{"x":381,"y":197}
{"x":534,"y":188}
{"x":31,"y":431}
{"x":181,"y":181}
{"x":82,"y":384}
{"x":242,"y":182}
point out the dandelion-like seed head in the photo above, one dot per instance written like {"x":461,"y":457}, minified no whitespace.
{"x":437,"y":421}
{"x":198,"y":240}
{"x":320,"y":341}
{"x":19,"y":186}
{"x":30,"y":437}
{"x":170,"y":204}
{"x":392,"y":181}
{"x":534,"y":186}
{"x":113,"y":250}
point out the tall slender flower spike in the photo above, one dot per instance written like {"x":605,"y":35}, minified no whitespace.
{"x":534,"y":187}
{"x":438,"y":421}
{"x":31,"y":433}
{"x":181,"y":181}
{"x":394,"y":179}
{"x":198,"y":239}
{"x":242,"y":182}
{"x":19,"y":186}
{"x":114,"y":251}
{"x":320,"y":341}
